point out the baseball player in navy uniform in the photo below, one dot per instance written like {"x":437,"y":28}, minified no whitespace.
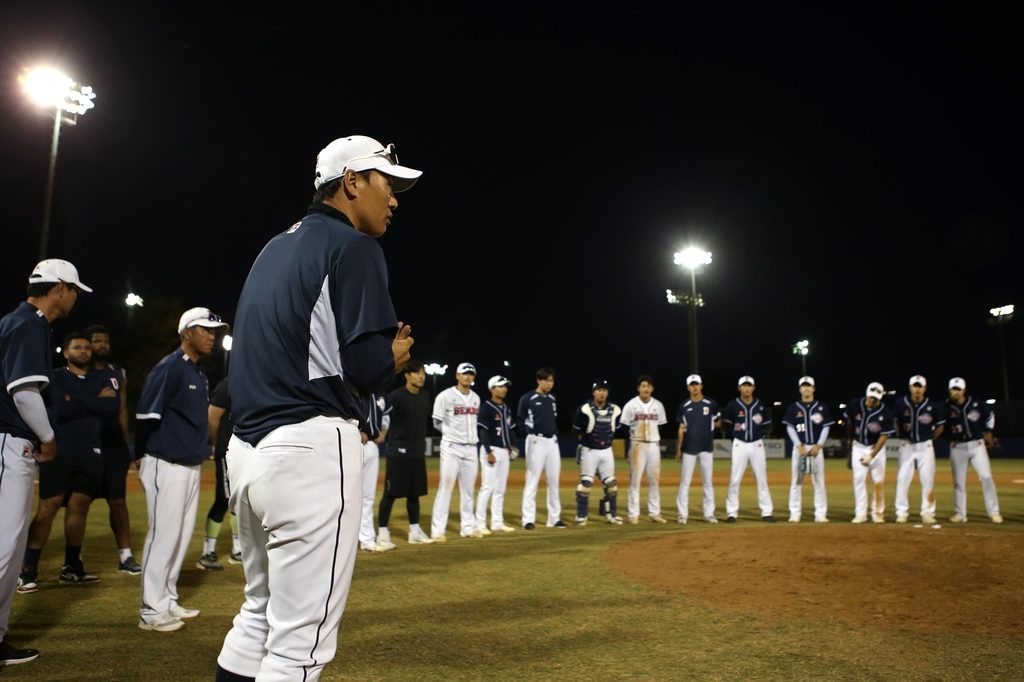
{"x":116,"y":456}
{"x":316,"y":335}
{"x":537,"y":420}
{"x":644,"y":415}
{"x":455,"y":416}
{"x":746,"y":418}
{"x":75,"y":476}
{"x":971,"y":422}
{"x":808,"y":422}
{"x":172,"y":434}
{"x":698,"y":418}
{"x":495,"y":425}
{"x":373,"y":432}
{"x":595,"y":424}
{"x":869,"y":425}
{"x":919,"y":420}
{"x":26,"y":433}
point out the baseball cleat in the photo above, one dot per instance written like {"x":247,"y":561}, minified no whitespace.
{"x":503,"y":528}
{"x":11,"y":656}
{"x":928,"y":519}
{"x":418,"y":537}
{"x":613,"y":520}
{"x":208,"y":562}
{"x":28,"y":580}
{"x":633,"y":520}
{"x":658,"y":519}
{"x":768,"y":519}
{"x":369,"y":547}
{"x":581,"y":520}
{"x":383,"y":541}
{"x":75,"y":574}
{"x":485,"y":530}
{"x":877,"y":518}
{"x":710,"y":519}
{"x":730,"y":519}
{"x":794,"y":519}
{"x":164,"y":622}
{"x":821,"y":520}
{"x":181,"y":613}
{"x":473,"y":533}
{"x":529,"y":526}
{"x":439,"y":538}
{"x":235,"y":558}
{"x":859,"y":519}
{"x":559,"y":524}
{"x":956,"y":518}
{"x":902,"y":518}
{"x":681,"y":520}
{"x":129,"y":566}
{"x":997,"y":518}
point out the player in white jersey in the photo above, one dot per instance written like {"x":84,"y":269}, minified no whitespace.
{"x":643,"y":415}
{"x":455,"y":413}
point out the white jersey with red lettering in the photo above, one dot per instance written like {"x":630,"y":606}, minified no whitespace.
{"x":455,"y":415}
{"x":643,"y":419}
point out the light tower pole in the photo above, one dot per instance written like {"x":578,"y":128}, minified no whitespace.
{"x":802,"y":348}
{"x":691,"y":259}
{"x":1003,"y":314}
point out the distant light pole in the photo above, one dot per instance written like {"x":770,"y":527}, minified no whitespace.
{"x":802,"y":348}
{"x":691,"y":259}
{"x":47,"y":87}
{"x":1003,"y":314}
{"x":435,"y":370}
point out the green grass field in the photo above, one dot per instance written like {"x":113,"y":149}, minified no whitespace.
{"x":522,"y":606}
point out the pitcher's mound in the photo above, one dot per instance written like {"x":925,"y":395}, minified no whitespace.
{"x":952,"y":580}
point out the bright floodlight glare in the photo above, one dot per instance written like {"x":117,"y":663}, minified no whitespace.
{"x":47,"y":87}
{"x":990,"y":401}
{"x":133,"y":299}
{"x":672,"y":298}
{"x":1004,"y":310}
{"x":506,"y":363}
{"x":435,"y":369}
{"x":59,"y":349}
{"x":692,"y":257}
{"x":226,"y":342}
{"x":842,"y":406}
{"x":801,"y":348}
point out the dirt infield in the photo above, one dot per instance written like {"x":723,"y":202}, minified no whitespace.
{"x":898,"y":577}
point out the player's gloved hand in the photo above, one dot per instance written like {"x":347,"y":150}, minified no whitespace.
{"x":513,"y":453}
{"x":579,"y":451}
{"x":865,"y":460}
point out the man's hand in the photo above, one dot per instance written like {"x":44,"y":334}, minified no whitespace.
{"x":47,"y":451}
{"x":363,"y":437}
{"x":108,"y":392}
{"x":491,"y":459}
{"x":679,"y":455}
{"x":866,"y":460}
{"x":381,"y":438}
{"x":213,"y":452}
{"x":801,"y":449}
{"x":401,"y":345}
{"x":815,"y":449}
{"x":513,"y":452}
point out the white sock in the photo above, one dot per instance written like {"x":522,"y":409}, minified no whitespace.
{"x":415,"y":528}
{"x":124,"y":554}
{"x":236,"y":546}
{"x":210,"y":546}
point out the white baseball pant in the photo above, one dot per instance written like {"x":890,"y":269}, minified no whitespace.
{"x":493,"y":480}
{"x":860,"y":474}
{"x":599,"y":463}
{"x":921,"y":455}
{"x":542,"y":455}
{"x":371,"y":469}
{"x":976,"y":453}
{"x":298,"y":499}
{"x":706,"y":472}
{"x":742,"y":453}
{"x":17,"y":489}
{"x":644,"y":457}
{"x":458,"y":463}
{"x":796,"y":482}
{"x":172,"y":499}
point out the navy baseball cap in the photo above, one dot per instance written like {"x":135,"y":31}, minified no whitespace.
{"x":360,"y":153}
{"x":599,"y":384}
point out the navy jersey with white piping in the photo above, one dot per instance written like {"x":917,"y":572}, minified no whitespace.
{"x":808,"y":419}
{"x":495,"y":424}
{"x":538,"y":414}
{"x":80,"y":411}
{"x":596,"y":425}
{"x":869,"y":423}
{"x":916,"y":422}
{"x":969,"y":420}
{"x":177,"y":395}
{"x":315,"y":293}
{"x":746,"y":422}
{"x":379,"y":410}
{"x":699,"y":419}
{"x":24,"y":359}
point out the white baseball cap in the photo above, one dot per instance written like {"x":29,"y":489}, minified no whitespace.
{"x":466,"y":368}
{"x":875,"y":390}
{"x":497,"y":380}
{"x":199,"y":317}
{"x":958,"y":382}
{"x":746,"y":379}
{"x":694,"y":379}
{"x":360,"y":153}
{"x":806,"y":380}
{"x":919,"y":380}
{"x":56,"y":270}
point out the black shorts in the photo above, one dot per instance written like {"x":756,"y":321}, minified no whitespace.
{"x":116,"y":462}
{"x":405,"y":477}
{"x":64,"y":475}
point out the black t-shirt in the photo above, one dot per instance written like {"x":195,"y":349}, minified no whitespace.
{"x":220,"y":398}
{"x":113,"y":377}
{"x":408,"y":433}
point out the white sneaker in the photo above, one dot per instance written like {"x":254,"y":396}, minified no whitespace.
{"x":657,"y":519}
{"x":821,"y":520}
{"x":997,"y":518}
{"x":902,"y":518}
{"x":681,"y":520}
{"x":384,"y":541}
{"x":418,"y":537}
{"x":369,"y":547}
{"x":581,"y":520}
{"x":163,"y":622}
{"x":503,"y":528}
{"x":928,"y":519}
{"x":877,"y":518}
{"x":794,"y":519}
{"x":484,"y":530}
{"x":633,"y":520}
{"x":859,"y":519}
{"x":474,"y":533}
{"x":956,"y":518}
{"x":613,"y":520}
{"x":438,"y":538}
{"x":181,"y":613}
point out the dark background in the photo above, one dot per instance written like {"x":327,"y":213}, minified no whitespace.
{"x":856,"y":174}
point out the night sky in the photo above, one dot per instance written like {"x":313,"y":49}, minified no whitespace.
{"x":856,"y":174}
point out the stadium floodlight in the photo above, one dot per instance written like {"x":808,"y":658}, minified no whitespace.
{"x":802,"y":348}
{"x":690,"y":258}
{"x":1003,"y":314}
{"x":50,"y":88}
{"x":990,"y":401}
{"x":133,"y":300}
{"x":226,"y":342}
{"x":434,"y":370}
{"x":506,"y":363}
{"x":842,"y":406}
{"x":1001,"y":311}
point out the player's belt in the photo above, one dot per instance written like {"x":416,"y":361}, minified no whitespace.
{"x":165,"y":459}
{"x":544,"y":435}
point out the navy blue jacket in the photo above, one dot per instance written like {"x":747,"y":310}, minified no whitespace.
{"x":24,"y":359}
{"x":176,"y":395}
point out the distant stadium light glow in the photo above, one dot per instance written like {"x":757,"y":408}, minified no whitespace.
{"x":672,"y":298}
{"x":133,"y":300}
{"x":47,"y":87}
{"x":801,"y":348}
{"x":226,"y":342}
{"x":435,"y":369}
{"x":692,"y":257}
{"x":1004,"y":310}
{"x":990,"y":401}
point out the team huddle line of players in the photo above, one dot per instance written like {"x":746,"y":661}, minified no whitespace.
{"x":477,"y":437}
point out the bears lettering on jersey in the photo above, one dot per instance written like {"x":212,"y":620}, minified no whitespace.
{"x":462,"y":409}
